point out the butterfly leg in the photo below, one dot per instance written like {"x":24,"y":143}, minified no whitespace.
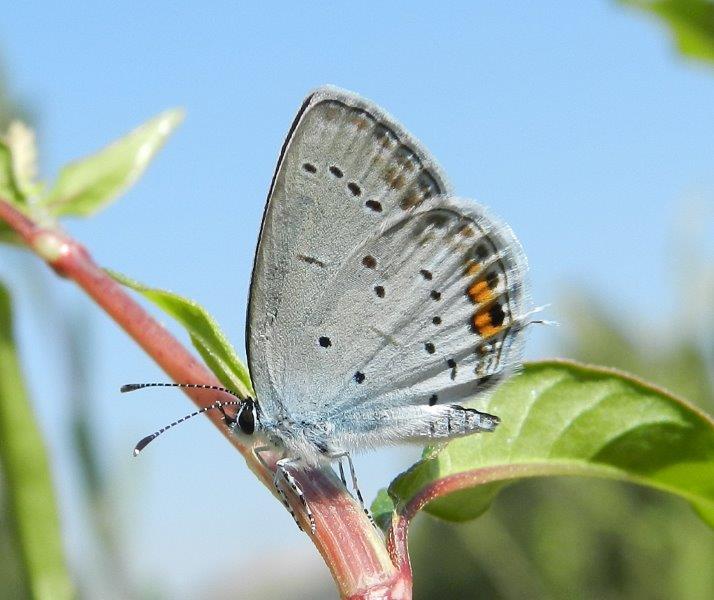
{"x":276,"y":481}
{"x":281,"y":470}
{"x":284,"y":500}
{"x":342,"y":472}
{"x":339,"y":456}
{"x":353,"y":475}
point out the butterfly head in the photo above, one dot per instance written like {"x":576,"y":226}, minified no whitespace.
{"x":245,"y":420}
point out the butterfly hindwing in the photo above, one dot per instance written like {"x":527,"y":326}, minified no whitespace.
{"x":443,"y":307}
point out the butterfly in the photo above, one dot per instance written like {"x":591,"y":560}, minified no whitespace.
{"x":381,"y":305}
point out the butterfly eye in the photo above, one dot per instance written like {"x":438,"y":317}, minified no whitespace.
{"x":246,"y":418}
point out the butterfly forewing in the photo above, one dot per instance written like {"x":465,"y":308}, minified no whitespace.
{"x":373,"y":288}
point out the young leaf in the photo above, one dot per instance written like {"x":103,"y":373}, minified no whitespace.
{"x":691,"y":22}
{"x":9,"y":189}
{"x":382,"y":509}
{"x":205,"y":334}
{"x":25,"y":465}
{"x":20,"y":140}
{"x":563,"y":418}
{"x":88,"y":185}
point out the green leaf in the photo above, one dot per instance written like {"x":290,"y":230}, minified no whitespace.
{"x":9,"y":189}
{"x":382,"y":509}
{"x":205,"y":334}
{"x":691,"y":22}
{"x":26,"y":467}
{"x":88,"y":185}
{"x":563,"y":418}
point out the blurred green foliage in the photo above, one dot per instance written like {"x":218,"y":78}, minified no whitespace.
{"x":12,"y":583}
{"x":29,"y":495}
{"x":691,"y":22}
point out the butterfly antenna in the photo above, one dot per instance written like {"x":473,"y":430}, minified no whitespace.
{"x":536,"y":310}
{"x":131,"y":387}
{"x":218,"y":404}
{"x":544,"y":322}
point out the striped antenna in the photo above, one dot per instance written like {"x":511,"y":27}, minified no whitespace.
{"x":218,"y":404}
{"x":131,"y":387}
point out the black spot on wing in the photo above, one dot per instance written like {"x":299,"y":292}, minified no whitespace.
{"x":374,"y":205}
{"x":369,"y":261}
{"x":311,"y":260}
{"x":497,"y":315}
{"x":452,"y":365}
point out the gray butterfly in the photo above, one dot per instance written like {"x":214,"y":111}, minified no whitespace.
{"x":380,"y":304}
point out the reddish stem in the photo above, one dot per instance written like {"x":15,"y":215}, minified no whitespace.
{"x":353,"y":550}
{"x":397,"y":540}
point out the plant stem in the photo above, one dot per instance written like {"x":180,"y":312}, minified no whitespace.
{"x":352,"y":548}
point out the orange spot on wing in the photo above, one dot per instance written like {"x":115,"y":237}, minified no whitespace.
{"x":473,"y":268}
{"x":483,"y":325}
{"x":479,"y":292}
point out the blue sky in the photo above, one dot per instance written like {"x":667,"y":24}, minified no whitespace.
{"x":576,"y":122}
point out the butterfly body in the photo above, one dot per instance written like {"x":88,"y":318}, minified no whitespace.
{"x":317,"y":443}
